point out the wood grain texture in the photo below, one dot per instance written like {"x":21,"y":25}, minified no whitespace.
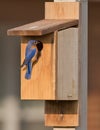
{"x":42,"y":83}
{"x":62,"y":10}
{"x":61,"y":113}
{"x":63,"y":128}
{"x":68,"y":64}
{"x":61,"y":121}
{"x":42,"y":27}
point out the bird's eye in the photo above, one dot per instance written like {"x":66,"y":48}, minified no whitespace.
{"x":35,"y":42}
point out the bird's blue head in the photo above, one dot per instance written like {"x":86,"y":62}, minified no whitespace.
{"x":36,"y":43}
{"x":32,"y":42}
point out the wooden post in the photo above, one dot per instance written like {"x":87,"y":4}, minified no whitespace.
{"x":58,"y":113}
{"x":83,"y":38}
{"x":83,"y":65}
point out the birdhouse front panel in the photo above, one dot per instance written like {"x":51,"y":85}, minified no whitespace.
{"x":41,"y":84}
{"x":55,"y":74}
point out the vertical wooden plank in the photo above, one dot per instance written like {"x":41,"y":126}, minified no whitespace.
{"x":62,"y":10}
{"x":83,"y":38}
{"x":68,"y":64}
{"x":42,"y":82}
{"x":61,"y":113}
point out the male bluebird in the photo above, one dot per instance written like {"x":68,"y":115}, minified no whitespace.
{"x":33,"y":48}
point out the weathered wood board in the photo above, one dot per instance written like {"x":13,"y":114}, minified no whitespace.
{"x":68,"y":64}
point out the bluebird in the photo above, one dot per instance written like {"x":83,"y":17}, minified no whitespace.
{"x":33,"y":49}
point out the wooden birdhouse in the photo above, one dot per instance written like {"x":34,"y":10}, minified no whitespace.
{"x":56,"y":74}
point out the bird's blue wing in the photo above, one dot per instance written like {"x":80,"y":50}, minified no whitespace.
{"x":31,"y":53}
{"x":29,"y":70}
{"x":29,"y":45}
{"x":29,"y":56}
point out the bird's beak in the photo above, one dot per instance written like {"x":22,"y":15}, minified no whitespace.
{"x":35,"y":43}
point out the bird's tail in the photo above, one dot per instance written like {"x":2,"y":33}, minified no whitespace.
{"x":29,"y":69}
